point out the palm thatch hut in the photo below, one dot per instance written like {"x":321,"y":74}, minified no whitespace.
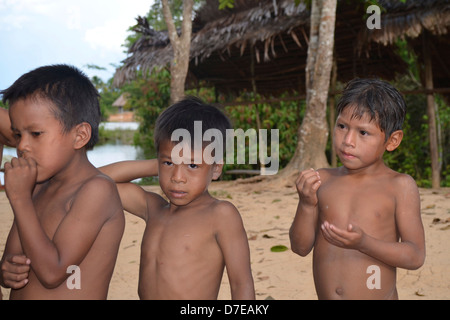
{"x":121,"y":115}
{"x":120,"y":102}
{"x":262,"y":45}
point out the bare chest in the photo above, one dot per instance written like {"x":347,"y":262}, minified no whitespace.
{"x":180,"y":234}
{"x":368,"y":206}
{"x":51,"y":209}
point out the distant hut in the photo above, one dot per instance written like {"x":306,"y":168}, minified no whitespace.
{"x":120,"y":103}
{"x":121,"y":115}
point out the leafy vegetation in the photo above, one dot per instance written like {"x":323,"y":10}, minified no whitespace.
{"x":149,"y":95}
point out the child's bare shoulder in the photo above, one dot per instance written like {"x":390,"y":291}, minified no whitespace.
{"x":224,"y":209}
{"x":226,"y":217}
{"x":101,"y":188}
{"x":99,"y":184}
{"x":403,"y":182}
{"x":97,"y":191}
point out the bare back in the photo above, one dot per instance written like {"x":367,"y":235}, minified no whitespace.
{"x":370,"y":203}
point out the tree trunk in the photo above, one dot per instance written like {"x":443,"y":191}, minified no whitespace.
{"x":313,"y":132}
{"x":434,"y":152}
{"x":181,"y":48}
{"x":332,"y":111}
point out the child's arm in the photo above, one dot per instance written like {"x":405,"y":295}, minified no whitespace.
{"x":409,"y":253}
{"x":95,"y":203}
{"x":233,"y":242}
{"x":134,"y":199}
{"x":6,"y":134}
{"x":303,"y":230}
{"x":126,"y":171}
{"x":15,"y":266}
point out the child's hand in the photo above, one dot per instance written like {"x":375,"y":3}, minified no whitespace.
{"x":349,"y":239}
{"x":15,"y":271}
{"x":20,"y":177}
{"x":308,"y":182}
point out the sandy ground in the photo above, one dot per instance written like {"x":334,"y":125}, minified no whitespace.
{"x":267,"y":214}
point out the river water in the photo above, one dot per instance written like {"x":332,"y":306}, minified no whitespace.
{"x":102,"y":154}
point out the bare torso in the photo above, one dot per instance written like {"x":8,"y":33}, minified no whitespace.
{"x":370,"y":203}
{"x":180,"y":255}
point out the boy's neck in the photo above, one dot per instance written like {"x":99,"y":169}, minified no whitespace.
{"x":204,"y":199}
{"x":78,"y":168}
{"x":371,"y":170}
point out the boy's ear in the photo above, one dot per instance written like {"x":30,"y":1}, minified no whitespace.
{"x":83,"y":133}
{"x":394,"y":140}
{"x":217,"y":170}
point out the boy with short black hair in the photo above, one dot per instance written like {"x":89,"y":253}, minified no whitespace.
{"x":67,"y":214}
{"x":189,"y":240}
{"x":363,"y":219}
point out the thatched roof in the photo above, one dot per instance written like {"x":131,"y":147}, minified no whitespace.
{"x":273,"y":36}
{"x":410,"y":21}
{"x":120,"y":101}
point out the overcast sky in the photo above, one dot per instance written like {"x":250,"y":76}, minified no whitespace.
{"x":34,"y":33}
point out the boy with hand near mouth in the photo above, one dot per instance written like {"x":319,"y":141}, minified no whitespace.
{"x":67,"y":214}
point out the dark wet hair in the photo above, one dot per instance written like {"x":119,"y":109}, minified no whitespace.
{"x":183,"y":114}
{"x":74,"y":97}
{"x":379,"y":99}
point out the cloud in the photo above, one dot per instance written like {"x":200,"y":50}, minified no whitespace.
{"x":9,"y":22}
{"x":40,"y":32}
{"x":73,"y":18}
{"x":19,"y":14}
{"x":111,"y":34}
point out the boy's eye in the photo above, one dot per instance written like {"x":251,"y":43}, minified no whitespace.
{"x":167,"y":163}
{"x":193,"y":166}
{"x":340,"y":126}
{"x":36,"y":133}
{"x":363,"y":133}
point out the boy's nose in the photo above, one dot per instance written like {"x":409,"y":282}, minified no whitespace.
{"x":22,"y":147}
{"x":177,"y":174}
{"x":349,"y":138}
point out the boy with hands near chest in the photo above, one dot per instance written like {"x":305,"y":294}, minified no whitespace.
{"x":362,"y":216}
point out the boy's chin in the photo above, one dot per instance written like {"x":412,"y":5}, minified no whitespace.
{"x":180,"y":202}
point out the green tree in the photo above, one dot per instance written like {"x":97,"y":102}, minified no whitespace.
{"x":108,"y":94}
{"x":149,"y":96}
